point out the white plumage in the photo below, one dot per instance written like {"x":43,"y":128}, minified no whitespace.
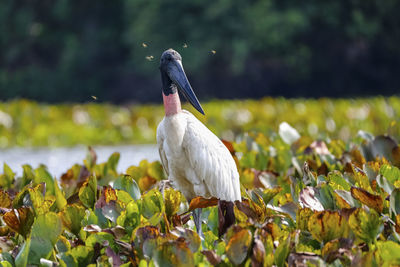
{"x":196,"y":161}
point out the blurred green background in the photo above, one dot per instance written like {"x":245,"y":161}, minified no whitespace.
{"x":26,"y":123}
{"x":60,"y":50}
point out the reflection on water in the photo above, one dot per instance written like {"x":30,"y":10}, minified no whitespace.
{"x":58,"y":160}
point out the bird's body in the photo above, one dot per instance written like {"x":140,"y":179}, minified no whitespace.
{"x":196,"y":161}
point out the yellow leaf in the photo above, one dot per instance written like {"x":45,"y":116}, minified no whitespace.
{"x":238,"y":246}
{"x":5,"y":200}
{"x":172,"y":200}
{"x":327,"y":225}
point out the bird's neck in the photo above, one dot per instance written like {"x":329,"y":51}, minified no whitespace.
{"x":172,"y":104}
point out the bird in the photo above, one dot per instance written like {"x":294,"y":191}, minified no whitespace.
{"x":195,"y":159}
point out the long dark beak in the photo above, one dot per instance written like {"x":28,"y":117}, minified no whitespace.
{"x":177,"y":75}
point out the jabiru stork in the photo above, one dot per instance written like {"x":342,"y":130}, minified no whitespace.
{"x":196,"y":161}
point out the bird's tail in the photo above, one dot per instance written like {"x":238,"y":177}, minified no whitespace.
{"x":226,"y":216}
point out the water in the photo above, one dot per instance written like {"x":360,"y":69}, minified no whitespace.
{"x":59,"y":160}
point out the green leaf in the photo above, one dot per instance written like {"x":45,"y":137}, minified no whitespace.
{"x":60,"y":198}
{"x":68,"y":260}
{"x":282,"y":252}
{"x":172,"y":200}
{"x":126,"y":183}
{"x":43,"y":176}
{"x":6,"y":264}
{"x":45,"y":232}
{"x":112,"y":162}
{"x":82,"y":255}
{"x":384,"y":184}
{"x":182,"y":254}
{"x":389,"y":253}
{"x":391,"y":173}
{"x":40,"y":203}
{"x":130,"y":216}
{"x":326,"y":196}
{"x":104,"y":239}
{"x":337,"y":181}
{"x":152,"y":203}
{"x":72,"y":216}
{"x":7,"y":178}
{"x":88,"y":192}
{"x":28,"y":174}
{"x":123,"y":196}
{"x":269,"y":193}
{"x":394,"y":205}
{"x":366,"y":225}
{"x":156,"y":170}
{"x":22,"y":257}
{"x":213,"y":221}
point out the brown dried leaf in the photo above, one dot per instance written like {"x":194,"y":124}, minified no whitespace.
{"x":118,"y":231}
{"x":229,"y":146}
{"x":226,"y":216}
{"x":200,"y":202}
{"x":323,"y":169}
{"x":92,"y":228}
{"x":244,"y":207}
{"x":372,"y":201}
{"x":397,"y":226}
{"x":20,"y":220}
{"x":212,"y":257}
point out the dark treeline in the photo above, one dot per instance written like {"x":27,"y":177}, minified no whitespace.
{"x":63,"y":50}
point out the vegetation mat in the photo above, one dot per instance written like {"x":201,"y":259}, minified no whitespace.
{"x":305,"y":202}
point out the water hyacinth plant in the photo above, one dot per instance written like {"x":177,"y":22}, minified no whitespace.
{"x":319,"y":202}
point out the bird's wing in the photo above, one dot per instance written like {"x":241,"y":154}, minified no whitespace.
{"x":160,"y":143}
{"x":211,"y":161}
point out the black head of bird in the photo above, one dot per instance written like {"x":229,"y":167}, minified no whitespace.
{"x":173,"y":78}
